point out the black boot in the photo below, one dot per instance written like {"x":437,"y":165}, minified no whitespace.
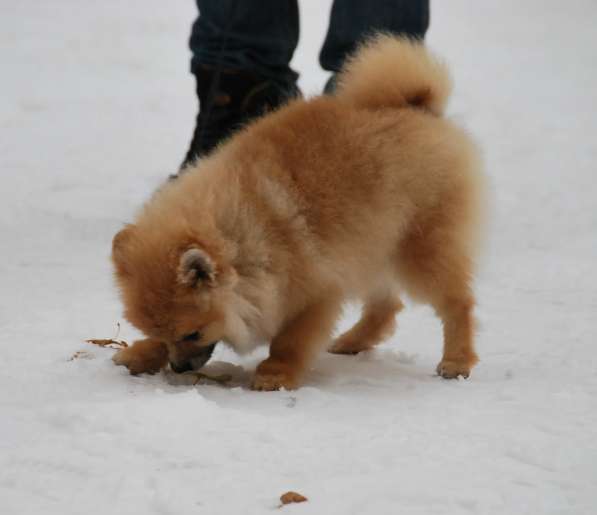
{"x":331,"y":84}
{"x":228,"y":99}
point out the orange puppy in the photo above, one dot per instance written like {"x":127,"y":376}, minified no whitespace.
{"x":357,"y":196}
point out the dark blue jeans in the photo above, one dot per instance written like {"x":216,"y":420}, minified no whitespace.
{"x":261,"y":35}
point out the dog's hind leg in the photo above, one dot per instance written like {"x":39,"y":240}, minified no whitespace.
{"x":377,"y":323}
{"x":436,"y":267}
{"x":459,"y":326}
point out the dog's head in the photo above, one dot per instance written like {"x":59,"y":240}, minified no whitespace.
{"x":178,"y":290}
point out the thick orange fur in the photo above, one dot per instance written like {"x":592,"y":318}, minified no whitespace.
{"x":144,"y":357}
{"x":353,"y":197}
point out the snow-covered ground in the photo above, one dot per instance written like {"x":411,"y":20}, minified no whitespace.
{"x":96,"y":107}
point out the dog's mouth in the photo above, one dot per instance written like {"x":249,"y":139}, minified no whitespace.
{"x":195,"y":362}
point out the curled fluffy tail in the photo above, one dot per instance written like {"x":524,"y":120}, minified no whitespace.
{"x":390,"y":71}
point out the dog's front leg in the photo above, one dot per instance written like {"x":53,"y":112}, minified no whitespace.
{"x":293,"y":349}
{"x":144,"y":356}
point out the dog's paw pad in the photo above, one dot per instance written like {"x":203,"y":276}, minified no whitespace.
{"x":120,"y":358}
{"x":453,"y":369}
{"x":135,"y":363}
{"x":272,"y":382}
{"x":346,"y":347}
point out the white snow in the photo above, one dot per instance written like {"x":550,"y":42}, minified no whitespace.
{"x":96,"y":108}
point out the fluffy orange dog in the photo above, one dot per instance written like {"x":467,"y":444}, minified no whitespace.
{"x":348,"y":197}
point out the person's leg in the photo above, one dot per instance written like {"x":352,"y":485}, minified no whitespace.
{"x":253,"y":36}
{"x":241,"y":55}
{"x":351,"y":21}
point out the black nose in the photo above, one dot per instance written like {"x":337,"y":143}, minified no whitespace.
{"x":196,"y":361}
{"x":179,"y":368}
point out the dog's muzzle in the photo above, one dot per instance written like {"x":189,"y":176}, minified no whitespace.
{"x":196,"y":362}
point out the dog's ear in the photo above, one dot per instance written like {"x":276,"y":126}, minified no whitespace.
{"x":120,"y":244}
{"x":196,"y":268}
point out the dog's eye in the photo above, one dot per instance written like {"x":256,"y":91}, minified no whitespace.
{"x":193,"y":337}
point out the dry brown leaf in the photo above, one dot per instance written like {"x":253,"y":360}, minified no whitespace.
{"x":110,"y":343}
{"x":291,"y":497}
{"x":81,"y":354}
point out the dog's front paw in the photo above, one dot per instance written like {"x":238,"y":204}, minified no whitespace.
{"x":347,"y":346}
{"x":144,"y":357}
{"x":273,"y":382}
{"x":272,"y":375}
{"x":450,"y":369}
